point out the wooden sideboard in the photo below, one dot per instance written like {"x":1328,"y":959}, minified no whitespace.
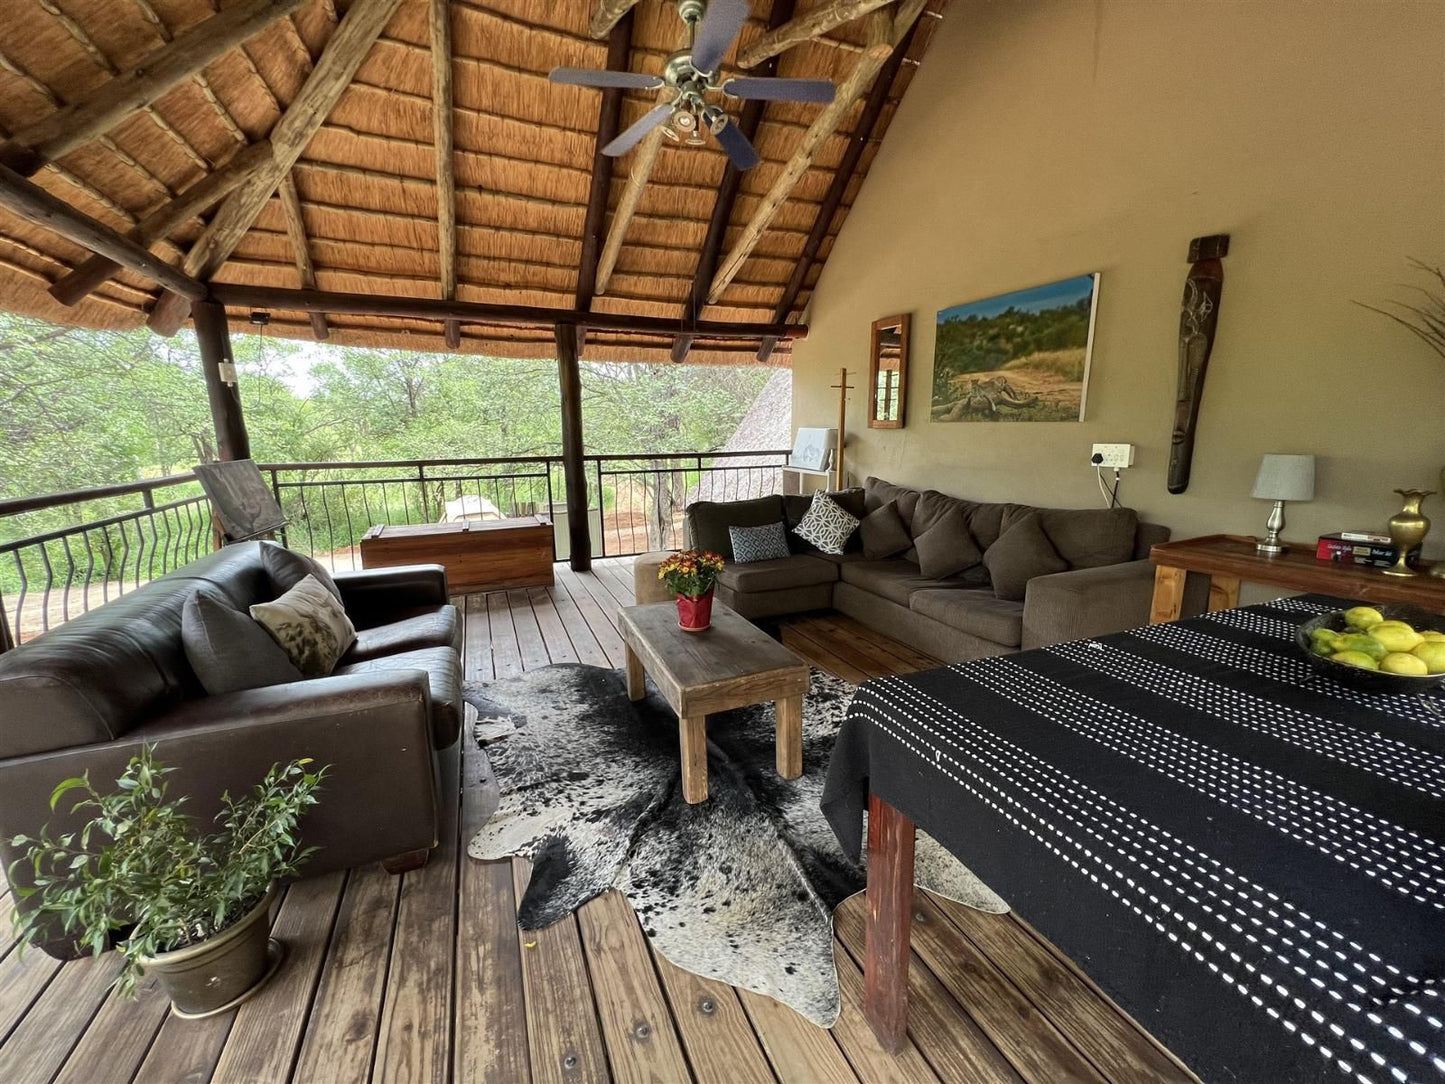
{"x":485,"y":555}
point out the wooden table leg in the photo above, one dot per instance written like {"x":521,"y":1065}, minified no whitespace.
{"x":1223,"y":592}
{"x":636,"y":682}
{"x":890,"y":923}
{"x":692,"y":729}
{"x":789,"y":712}
{"x":1168,"y":602}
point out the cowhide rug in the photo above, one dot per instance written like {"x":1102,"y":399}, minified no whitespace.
{"x":740,"y":888}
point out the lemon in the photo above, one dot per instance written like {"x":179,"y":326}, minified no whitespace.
{"x":1432,"y":636}
{"x":1432,"y":654}
{"x":1355,"y":658}
{"x":1396,"y":636}
{"x":1365,"y":644}
{"x":1363,"y":617}
{"x":1397,"y":662}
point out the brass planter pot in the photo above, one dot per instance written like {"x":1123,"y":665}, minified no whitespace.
{"x":223,"y":971}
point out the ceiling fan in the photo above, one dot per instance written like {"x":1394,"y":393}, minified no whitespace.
{"x":692,"y":74}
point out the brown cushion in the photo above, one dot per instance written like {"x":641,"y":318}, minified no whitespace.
{"x":435,"y":626}
{"x":1021,"y":553}
{"x":979,"y":613}
{"x":228,"y":650}
{"x":894,"y":579}
{"x":883,"y":532}
{"x":985,"y":521}
{"x":796,"y":505}
{"x":797,"y":570}
{"x":710,"y":520}
{"x":287,"y":568}
{"x":877,"y":492}
{"x":443,"y":669}
{"x":1091,"y":537}
{"x":947,"y":547}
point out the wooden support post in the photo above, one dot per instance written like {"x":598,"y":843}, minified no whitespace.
{"x":579,"y":536}
{"x":890,"y":923}
{"x":213,"y":335}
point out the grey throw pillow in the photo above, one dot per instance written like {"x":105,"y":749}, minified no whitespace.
{"x":884,"y":532}
{"x":310,"y":626}
{"x":228,"y":650}
{"x":947,"y":548}
{"x":286,"y":569}
{"x":1021,"y":553}
{"x":1091,"y":537}
{"x":766,"y":543}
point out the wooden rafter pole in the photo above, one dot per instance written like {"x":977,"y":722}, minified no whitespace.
{"x":806,"y":27}
{"x":32,"y":203}
{"x":349,"y":44}
{"x":95,"y":114}
{"x":749,"y":122}
{"x":609,"y":123}
{"x":301,"y":246}
{"x":883,"y":34}
{"x":439,"y":18}
{"x":210,"y":189}
{"x":643,"y":157}
{"x":608,"y":14}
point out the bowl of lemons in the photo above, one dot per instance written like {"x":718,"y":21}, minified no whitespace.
{"x":1386,"y":648}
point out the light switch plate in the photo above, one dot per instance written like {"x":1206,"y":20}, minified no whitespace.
{"x":1113,"y":456}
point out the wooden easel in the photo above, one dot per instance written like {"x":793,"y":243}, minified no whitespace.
{"x":843,"y":389}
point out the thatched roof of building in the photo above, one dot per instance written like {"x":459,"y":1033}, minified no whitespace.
{"x":367,"y":179}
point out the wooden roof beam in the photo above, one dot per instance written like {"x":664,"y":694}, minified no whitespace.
{"x":643,"y":157}
{"x":439,"y":18}
{"x":608,"y":14}
{"x":159,"y":224}
{"x":609,"y":123}
{"x":806,"y":27}
{"x":749,"y":121}
{"x":32,"y":203}
{"x":296,"y":231}
{"x":95,"y":114}
{"x":349,"y":44}
{"x":884,"y":34}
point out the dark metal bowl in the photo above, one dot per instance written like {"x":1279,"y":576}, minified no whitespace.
{"x":1371,"y":680}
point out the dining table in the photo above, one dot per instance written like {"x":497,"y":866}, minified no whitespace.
{"x":1245,"y":853}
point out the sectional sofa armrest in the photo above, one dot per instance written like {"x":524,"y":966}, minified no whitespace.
{"x":1091,"y":602}
{"x":372,"y":594}
{"x":374,"y":730}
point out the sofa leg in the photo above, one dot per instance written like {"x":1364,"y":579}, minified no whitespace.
{"x":405,"y":863}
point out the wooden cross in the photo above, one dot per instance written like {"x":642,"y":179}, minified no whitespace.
{"x":843,"y":388}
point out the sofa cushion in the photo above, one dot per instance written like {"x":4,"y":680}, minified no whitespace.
{"x":287,"y":568}
{"x":798,"y":570}
{"x":310,"y":625}
{"x":796,"y":505}
{"x":980,"y":613}
{"x":443,"y":669}
{"x":228,"y":650}
{"x":877,"y":492}
{"x":947,"y":547}
{"x":828,"y":525}
{"x":894,"y":579}
{"x":710,"y":520}
{"x":985,"y":520}
{"x":768,"y":542}
{"x":883,"y":532}
{"x":1091,"y":537}
{"x":1021,"y":553}
{"x":428,"y":626}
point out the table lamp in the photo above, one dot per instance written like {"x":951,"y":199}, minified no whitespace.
{"x":1282,"y":478}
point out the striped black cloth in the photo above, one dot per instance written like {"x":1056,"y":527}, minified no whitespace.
{"x":1246,"y":855}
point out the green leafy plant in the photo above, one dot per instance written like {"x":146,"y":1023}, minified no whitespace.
{"x":140,"y":868}
{"x":1427,"y":318}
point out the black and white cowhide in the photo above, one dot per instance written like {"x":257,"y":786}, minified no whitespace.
{"x":740,"y":888}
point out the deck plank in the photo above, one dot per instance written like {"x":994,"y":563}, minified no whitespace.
{"x":185,"y":1050}
{"x":56,"y":1021}
{"x":717,"y":1034}
{"x":24,"y":975}
{"x":815,"y":653}
{"x":530,"y":645}
{"x":799,"y":1050}
{"x":554,"y":634}
{"x":860,"y":1046}
{"x":585,"y":644}
{"x":120,"y":1036}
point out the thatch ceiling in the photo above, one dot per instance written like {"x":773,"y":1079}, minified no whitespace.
{"x":367,"y":181}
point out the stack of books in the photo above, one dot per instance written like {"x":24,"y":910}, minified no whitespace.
{"x":1361,"y":548}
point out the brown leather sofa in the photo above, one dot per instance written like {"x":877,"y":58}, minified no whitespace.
{"x":85,"y":696}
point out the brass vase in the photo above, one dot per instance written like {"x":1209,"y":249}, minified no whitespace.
{"x":1408,"y":528}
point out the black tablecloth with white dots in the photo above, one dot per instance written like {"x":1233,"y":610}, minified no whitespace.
{"x":1245,"y":854}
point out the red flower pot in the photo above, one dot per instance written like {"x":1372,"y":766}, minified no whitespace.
{"x":694,"y":614}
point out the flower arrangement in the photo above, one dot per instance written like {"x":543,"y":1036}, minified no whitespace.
{"x":691,"y":573}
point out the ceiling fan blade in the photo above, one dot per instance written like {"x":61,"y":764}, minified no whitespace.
{"x":633,"y":136}
{"x":590,"y":77}
{"x":780,"y":90}
{"x":715,"y":34}
{"x":740,"y":151}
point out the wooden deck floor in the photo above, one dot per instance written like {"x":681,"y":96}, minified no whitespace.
{"x":426,"y":978}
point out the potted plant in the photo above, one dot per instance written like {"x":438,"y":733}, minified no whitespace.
{"x":691,"y":575}
{"x":192,"y":907}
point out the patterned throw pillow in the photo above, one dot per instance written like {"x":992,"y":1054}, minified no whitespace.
{"x":827,"y":525}
{"x":766,"y":543}
{"x":310,"y":626}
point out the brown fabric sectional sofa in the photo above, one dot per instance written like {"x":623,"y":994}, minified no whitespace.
{"x":1106,"y":587}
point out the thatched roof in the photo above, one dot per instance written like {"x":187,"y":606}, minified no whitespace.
{"x":367,"y":180}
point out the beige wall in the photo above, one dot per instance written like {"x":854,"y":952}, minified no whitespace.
{"x":1045,"y":139}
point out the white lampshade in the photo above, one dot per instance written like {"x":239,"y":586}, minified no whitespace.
{"x":1285,"y":478}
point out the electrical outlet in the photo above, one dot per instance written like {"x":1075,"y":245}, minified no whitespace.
{"x":1113,"y":456}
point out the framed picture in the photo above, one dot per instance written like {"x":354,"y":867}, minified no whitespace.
{"x":1018,"y":357}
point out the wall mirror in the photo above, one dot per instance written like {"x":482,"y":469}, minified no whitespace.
{"x":888,"y":372}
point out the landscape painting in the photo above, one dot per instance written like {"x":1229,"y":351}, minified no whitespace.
{"x":1017,"y":357}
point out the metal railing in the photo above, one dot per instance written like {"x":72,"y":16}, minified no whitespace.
{"x":65,"y":553}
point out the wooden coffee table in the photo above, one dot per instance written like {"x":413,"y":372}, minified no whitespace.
{"x":730,"y":665}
